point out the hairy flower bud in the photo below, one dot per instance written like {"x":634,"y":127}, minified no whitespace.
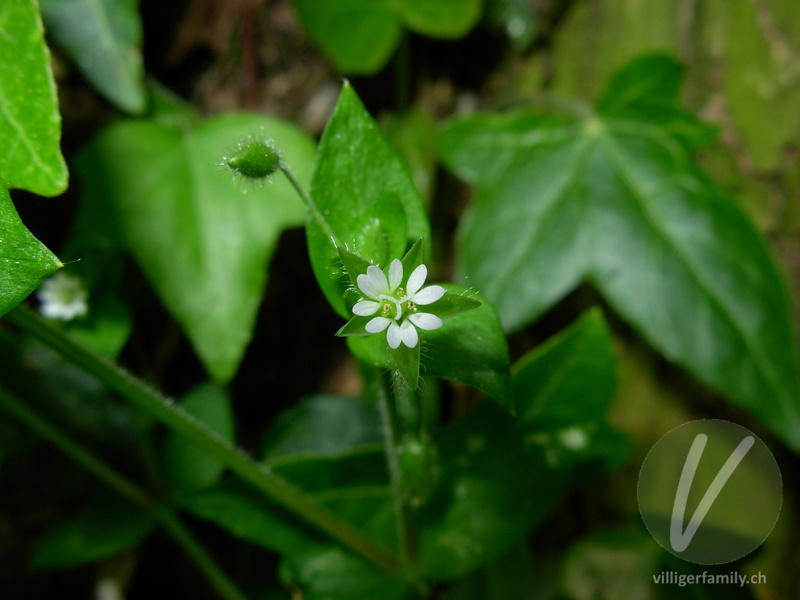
{"x":254,"y":159}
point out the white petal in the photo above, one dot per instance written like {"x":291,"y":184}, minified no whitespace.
{"x":394,"y":335}
{"x":428,"y":295}
{"x":409,"y":334}
{"x":425,"y":321}
{"x":374,"y":283}
{"x":377,"y":324}
{"x":365,"y":308}
{"x":395,"y":274}
{"x":416,"y":279}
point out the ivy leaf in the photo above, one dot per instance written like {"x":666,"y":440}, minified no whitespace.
{"x":103,"y":38}
{"x":365,"y":194}
{"x":30,"y":124}
{"x":24,"y":261}
{"x":617,"y":200}
{"x":203,"y":239}
{"x":361,"y":35}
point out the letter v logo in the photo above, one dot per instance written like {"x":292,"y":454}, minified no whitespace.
{"x":678,"y":537}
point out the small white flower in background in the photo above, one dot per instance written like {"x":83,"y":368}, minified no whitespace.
{"x":396,"y":308}
{"x":62,"y":297}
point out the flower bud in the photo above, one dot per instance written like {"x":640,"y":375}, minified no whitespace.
{"x":254,"y":159}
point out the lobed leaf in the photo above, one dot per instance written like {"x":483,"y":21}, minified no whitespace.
{"x":615,"y":199}
{"x":202,"y":240}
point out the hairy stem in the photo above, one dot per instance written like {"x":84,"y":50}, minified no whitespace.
{"x":129,"y":490}
{"x":165,"y":411}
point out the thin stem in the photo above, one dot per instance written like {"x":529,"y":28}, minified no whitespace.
{"x":309,"y":202}
{"x":389,"y":422}
{"x":128,"y":490}
{"x":174,"y":417}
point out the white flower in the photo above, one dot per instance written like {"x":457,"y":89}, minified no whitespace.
{"x":62,"y":297}
{"x":397,"y":307}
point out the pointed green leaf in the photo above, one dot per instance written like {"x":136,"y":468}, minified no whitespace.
{"x":188,"y":467}
{"x":568,"y":380}
{"x":30,"y":124}
{"x":361,"y":35}
{"x":366,"y":195}
{"x":353,"y":264}
{"x":103,"y":38}
{"x":617,"y":200}
{"x":24,"y":261}
{"x":203,"y":238}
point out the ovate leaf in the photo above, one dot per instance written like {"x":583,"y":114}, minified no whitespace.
{"x":106,"y":526}
{"x":616,"y":199}
{"x":24,"y":261}
{"x":365,"y":194}
{"x":30,"y":124}
{"x":103,"y":38}
{"x":361,"y":35}
{"x":189,"y":467}
{"x":203,"y":239}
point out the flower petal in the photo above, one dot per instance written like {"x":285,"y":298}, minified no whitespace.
{"x":377,"y":324}
{"x":365,"y":308}
{"x":416,"y":279}
{"x":428,"y":295}
{"x":395,"y":274}
{"x":408,"y":334}
{"x":394,"y":336}
{"x":374,"y":283}
{"x":425,"y":321}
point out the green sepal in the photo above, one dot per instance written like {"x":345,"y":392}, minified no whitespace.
{"x":355,"y":326}
{"x":413,"y":258}
{"x":450,"y":305}
{"x":354,"y":265}
{"x":406,"y":361}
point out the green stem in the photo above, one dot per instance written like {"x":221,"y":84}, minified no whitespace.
{"x":128,"y":490}
{"x":165,"y":411}
{"x":390,"y":438}
{"x":312,"y":206}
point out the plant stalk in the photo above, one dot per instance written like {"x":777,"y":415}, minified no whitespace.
{"x":174,"y":417}
{"x":130,"y":491}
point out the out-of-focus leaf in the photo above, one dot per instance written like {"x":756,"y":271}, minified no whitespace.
{"x":503,"y":475}
{"x":413,"y":136}
{"x":247,"y":514}
{"x":106,"y":526}
{"x":30,"y":124}
{"x":361,"y":35}
{"x":332,"y":574}
{"x":106,"y":329}
{"x":508,"y":576}
{"x":203,"y":240}
{"x":568,"y":380}
{"x":103,"y":38}
{"x":24,"y":260}
{"x":323,"y":425}
{"x":189,"y":468}
{"x":469,"y":348}
{"x":366,"y":195}
{"x":616,"y":564}
{"x":617,"y":200}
